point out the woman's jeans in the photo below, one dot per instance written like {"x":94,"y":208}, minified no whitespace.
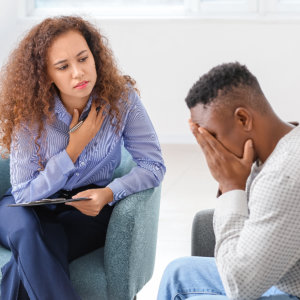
{"x":43,"y":240}
{"x":198,"y":278}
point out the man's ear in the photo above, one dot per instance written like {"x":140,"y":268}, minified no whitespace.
{"x":244,"y":118}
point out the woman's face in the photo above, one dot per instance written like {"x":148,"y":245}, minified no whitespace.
{"x":71,"y":67}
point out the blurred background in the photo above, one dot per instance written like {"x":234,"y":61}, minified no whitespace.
{"x":166,"y":45}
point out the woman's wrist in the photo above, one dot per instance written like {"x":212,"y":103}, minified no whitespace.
{"x":72,"y":153}
{"x":109,"y":195}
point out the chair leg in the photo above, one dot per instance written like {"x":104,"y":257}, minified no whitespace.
{"x":134,"y":298}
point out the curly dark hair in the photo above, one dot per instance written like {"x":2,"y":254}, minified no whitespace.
{"x":223,"y":80}
{"x":26,"y":91}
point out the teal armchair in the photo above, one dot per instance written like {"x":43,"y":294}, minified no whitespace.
{"x":125,"y":264}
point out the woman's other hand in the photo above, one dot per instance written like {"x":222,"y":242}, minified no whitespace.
{"x":99,"y":198}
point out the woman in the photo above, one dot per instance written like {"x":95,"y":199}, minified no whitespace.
{"x":62,"y":73}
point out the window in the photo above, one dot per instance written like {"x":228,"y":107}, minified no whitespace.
{"x":79,"y":3}
{"x":222,"y":6}
{"x":112,"y":7}
{"x":181,"y":8}
{"x":282,"y":6}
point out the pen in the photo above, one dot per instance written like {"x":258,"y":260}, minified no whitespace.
{"x":81,"y":122}
{"x":76,"y":126}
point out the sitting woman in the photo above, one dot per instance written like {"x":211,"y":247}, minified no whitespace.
{"x":63,"y":73}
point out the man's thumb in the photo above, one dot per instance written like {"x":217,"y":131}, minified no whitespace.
{"x":75,"y":118}
{"x":248,"y":151}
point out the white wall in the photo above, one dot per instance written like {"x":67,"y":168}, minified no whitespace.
{"x":8,"y":22}
{"x":167,"y":56}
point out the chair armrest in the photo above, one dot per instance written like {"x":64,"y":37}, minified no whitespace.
{"x":130,"y":246}
{"x":203,"y":237}
{"x":4,"y":175}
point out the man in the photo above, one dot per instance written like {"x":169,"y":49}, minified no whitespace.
{"x":257,"y":216}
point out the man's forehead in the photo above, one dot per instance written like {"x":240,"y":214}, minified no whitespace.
{"x":200,"y":114}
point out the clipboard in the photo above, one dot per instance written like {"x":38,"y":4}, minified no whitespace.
{"x":48,"y":201}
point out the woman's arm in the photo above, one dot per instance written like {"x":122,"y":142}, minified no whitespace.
{"x":141,"y":141}
{"x":28,"y":182}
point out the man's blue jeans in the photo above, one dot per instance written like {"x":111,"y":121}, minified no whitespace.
{"x":198,"y":278}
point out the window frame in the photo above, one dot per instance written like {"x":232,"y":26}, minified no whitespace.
{"x":207,"y":7}
{"x":111,"y":11}
{"x":199,"y":9}
{"x":290,"y":7}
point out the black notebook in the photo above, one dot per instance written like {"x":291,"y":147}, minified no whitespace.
{"x":48,"y":201}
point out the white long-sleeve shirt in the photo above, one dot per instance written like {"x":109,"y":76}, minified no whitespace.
{"x":258,"y":230}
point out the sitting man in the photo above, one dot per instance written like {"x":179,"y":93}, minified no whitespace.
{"x":255,"y":157}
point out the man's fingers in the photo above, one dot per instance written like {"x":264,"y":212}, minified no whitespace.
{"x":206,"y":141}
{"x":248,"y":152}
{"x":75,"y":118}
{"x":194,"y":130}
{"x":211,"y":140}
{"x":211,"y":147}
{"x":192,"y":126}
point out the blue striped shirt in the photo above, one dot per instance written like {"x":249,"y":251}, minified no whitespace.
{"x":97,"y":162}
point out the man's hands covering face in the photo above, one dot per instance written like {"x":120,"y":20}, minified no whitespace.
{"x":230,"y":171}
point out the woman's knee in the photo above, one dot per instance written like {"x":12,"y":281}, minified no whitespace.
{"x":24,"y":226}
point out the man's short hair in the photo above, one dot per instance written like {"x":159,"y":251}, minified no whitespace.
{"x":227,"y":81}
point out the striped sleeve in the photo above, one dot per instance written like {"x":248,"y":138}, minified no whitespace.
{"x":141,"y":141}
{"x":28,"y":183}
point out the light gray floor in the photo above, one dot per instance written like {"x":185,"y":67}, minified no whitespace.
{"x":187,"y":188}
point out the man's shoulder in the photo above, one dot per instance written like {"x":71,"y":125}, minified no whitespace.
{"x":286,"y":156}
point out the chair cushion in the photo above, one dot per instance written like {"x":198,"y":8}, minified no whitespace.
{"x":5,"y":256}
{"x":4,"y":175}
{"x":88,"y":276}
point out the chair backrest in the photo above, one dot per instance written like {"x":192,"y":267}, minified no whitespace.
{"x":126,"y":164}
{"x":4,"y":176}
